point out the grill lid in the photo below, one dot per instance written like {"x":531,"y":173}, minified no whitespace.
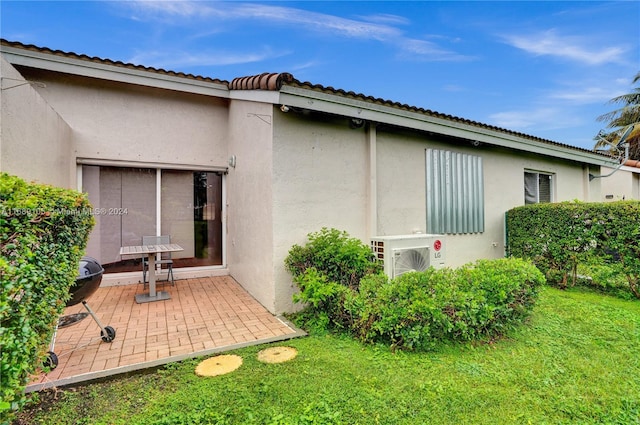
{"x":88,"y":267}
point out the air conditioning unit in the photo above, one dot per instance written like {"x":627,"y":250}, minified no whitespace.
{"x":403,"y":253}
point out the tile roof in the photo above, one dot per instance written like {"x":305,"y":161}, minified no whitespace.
{"x":94,"y":59}
{"x":275,"y":81}
{"x":263,"y":81}
{"x":428,"y":112}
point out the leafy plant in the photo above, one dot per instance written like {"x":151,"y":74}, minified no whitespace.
{"x":325,"y":270}
{"x":601,"y":275}
{"x":417,"y":310}
{"x":43,"y":232}
{"x":559,"y":237}
{"x":343,"y":259}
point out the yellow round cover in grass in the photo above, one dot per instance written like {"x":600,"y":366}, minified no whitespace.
{"x":218,"y":365}
{"x":277,"y":354}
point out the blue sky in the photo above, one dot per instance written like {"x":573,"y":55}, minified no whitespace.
{"x":545,"y":68}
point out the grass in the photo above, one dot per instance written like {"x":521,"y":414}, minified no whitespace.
{"x":577,"y":361}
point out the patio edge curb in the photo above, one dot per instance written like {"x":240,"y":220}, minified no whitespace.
{"x":93,"y":376}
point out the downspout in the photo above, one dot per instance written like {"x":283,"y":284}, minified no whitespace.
{"x":372,"y":207}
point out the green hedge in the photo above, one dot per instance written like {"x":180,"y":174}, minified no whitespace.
{"x":43,"y":234}
{"x":560,"y":237}
{"x":418,"y":310}
{"x":415,"y":310}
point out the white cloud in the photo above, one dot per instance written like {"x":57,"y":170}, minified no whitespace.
{"x":426,"y":50}
{"x":540,"y":118}
{"x":147,"y":8}
{"x":580,"y":49}
{"x":380,"y":27}
{"x":385,"y":18}
{"x":454,"y":88}
{"x":181,"y":59}
{"x":586,"y":95}
{"x":305,"y":65}
{"x":275,"y":14}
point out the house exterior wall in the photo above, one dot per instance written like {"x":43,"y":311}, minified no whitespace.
{"x":401,"y":190}
{"x":319,"y":180}
{"x":123,"y":122}
{"x":622,"y":184}
{"x":35,"y":142}
{"x":294,"y":174}
{"x":249,"y":196}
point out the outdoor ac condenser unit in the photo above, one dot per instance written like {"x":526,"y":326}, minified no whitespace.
{"x":403,"y":253}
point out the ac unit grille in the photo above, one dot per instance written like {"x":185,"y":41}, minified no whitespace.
{"x":410,"y":260}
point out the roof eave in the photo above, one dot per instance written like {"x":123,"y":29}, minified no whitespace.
{"x":356,"y":108}
{"x":84,"y":68}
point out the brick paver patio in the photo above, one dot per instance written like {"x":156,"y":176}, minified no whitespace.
{"x":204,"y":316}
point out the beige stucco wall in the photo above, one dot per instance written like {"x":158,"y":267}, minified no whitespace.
{"x":35,"y":142}
{"x":294,"y":174}
{"x":321,"y":175}
{"x":319,"y":180}
{"x":622,"y":184}
{"x":249,"y":195}
{"x":401,"y":190}
{"x":116,"y":121}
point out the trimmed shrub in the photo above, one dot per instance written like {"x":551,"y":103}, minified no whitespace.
{"x":43,"y":233}
{"x":343,"y":259}
{"x":560,"y":237}
{"x":324,"y":269}
{"x":604,"y":276}
{"x":323,"y":298}
{"x":416,"y":310}
{"x":408,"y":312}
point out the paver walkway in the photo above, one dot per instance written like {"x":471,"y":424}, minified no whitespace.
{"x":204,"y":316}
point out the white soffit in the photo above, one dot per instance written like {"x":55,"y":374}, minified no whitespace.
{"x":123,"y":74}
{"x":357,"y":108}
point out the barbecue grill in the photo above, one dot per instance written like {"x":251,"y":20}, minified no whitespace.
{"x":88,"y":281}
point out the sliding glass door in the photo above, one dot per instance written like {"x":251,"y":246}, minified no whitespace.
{"x":129,"y":203}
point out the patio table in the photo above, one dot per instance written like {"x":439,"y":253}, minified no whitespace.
{"x":150,"y":251}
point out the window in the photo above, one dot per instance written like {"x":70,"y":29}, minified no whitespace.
{"x":537,"y":187}
{"x":455,"y":192}
{"x":133,"y":202}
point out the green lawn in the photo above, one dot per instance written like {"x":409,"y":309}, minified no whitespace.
{"x":577,"y":361}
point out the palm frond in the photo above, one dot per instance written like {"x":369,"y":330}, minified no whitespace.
{"x":622,"y":116}
{"x":619,"y":121}
{"x":627,"y":99}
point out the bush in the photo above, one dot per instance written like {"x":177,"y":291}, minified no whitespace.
{"x":408,"y":312}
{"x":607,"y":277}
{"x":343,"y":259}
{"x":324,"y":299}
{"x":560,"y":237}
{"x":416,"y":310}
{"x":43,"y":232}
{"x":324,"y":269}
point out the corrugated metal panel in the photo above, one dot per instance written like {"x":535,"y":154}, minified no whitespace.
{"x":455,"y":192}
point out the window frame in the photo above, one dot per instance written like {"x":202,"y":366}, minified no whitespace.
{"x":538,"y":174}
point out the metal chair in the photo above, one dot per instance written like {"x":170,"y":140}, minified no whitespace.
{"x":165,"y":258}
